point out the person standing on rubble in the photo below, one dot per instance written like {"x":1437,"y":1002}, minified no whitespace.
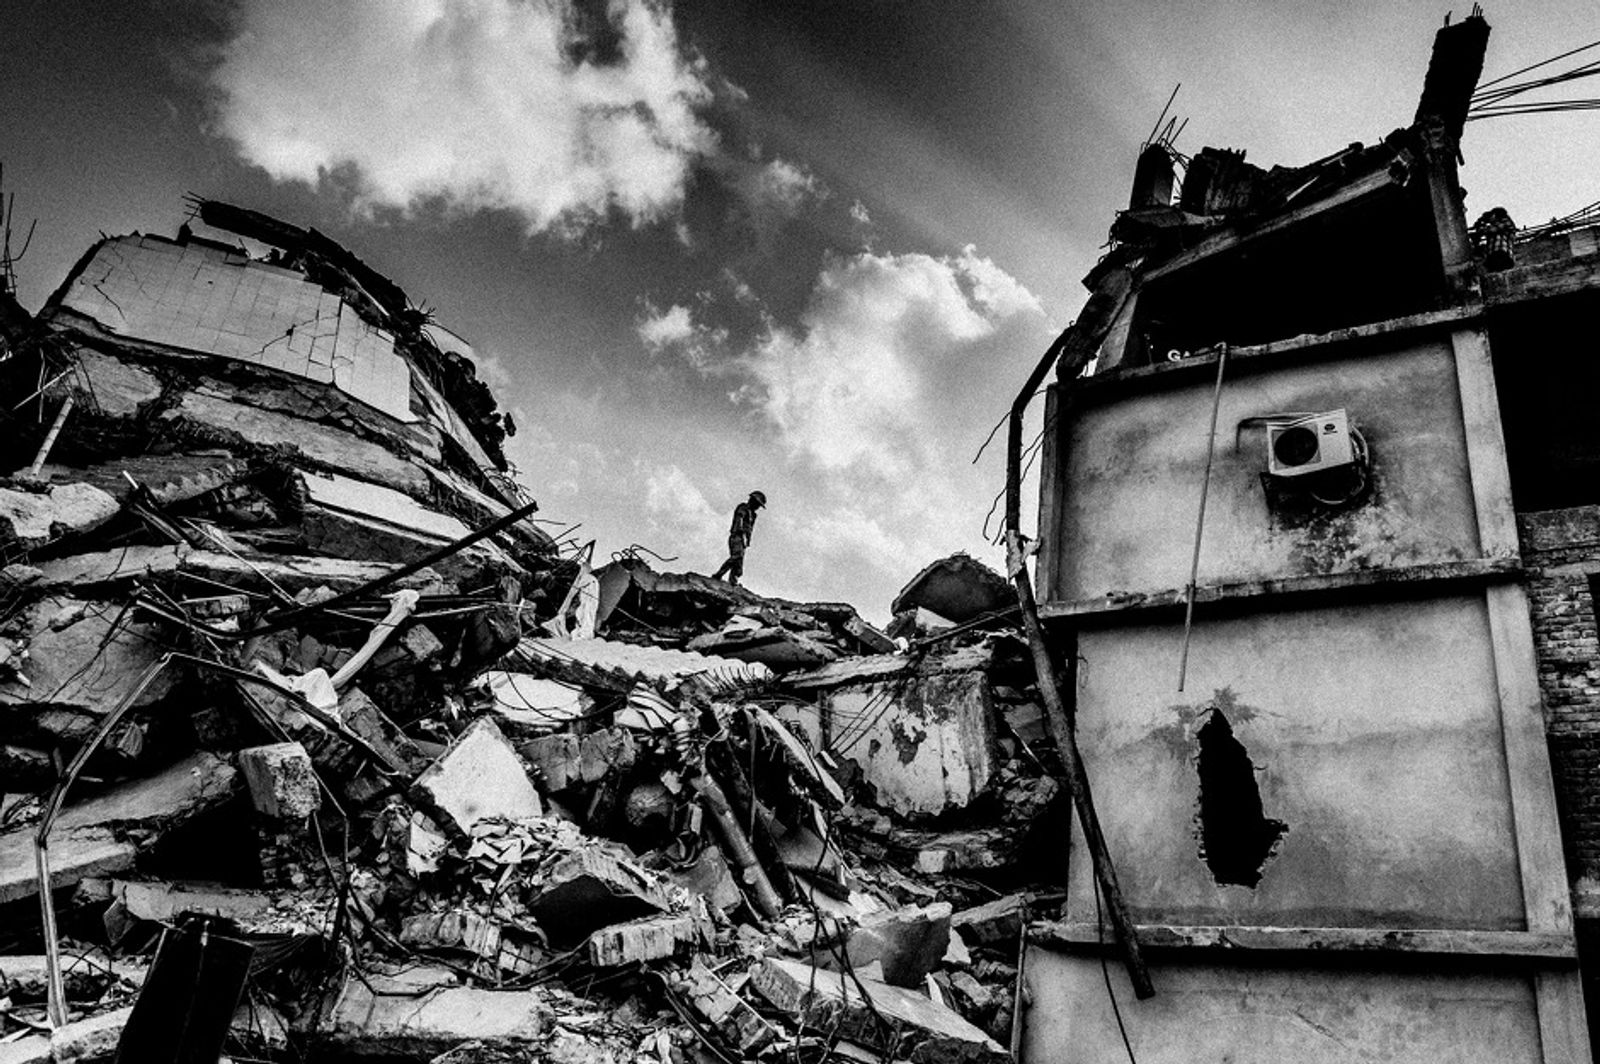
{"x":744,"y":520}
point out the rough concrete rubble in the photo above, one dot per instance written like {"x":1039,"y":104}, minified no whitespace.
{"x":332,"y":741}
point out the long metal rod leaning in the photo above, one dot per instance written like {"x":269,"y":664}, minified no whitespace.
{"x":1200,"y":522}
{"x":1055,"y":711}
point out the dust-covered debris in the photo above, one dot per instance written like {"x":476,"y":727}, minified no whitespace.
{"x":295,"y":684}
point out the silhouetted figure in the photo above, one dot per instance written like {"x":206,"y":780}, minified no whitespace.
{"x":744,"y":520}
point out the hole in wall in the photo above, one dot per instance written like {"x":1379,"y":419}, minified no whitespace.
{"x":1236,"y":835}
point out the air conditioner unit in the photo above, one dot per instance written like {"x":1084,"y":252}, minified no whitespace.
{"x":1309,"y":444}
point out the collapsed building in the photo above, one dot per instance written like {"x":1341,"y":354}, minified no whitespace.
{"x":316,"y":744}
{"x":1319,"y":545}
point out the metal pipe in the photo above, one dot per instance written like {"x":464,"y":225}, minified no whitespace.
{"x":50,"y":438}
{"x":1200,"y":521}
{"x":1072,"y":349}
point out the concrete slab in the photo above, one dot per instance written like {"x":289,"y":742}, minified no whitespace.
{"x":649,"y":938}
{"x":589,"y":889}
{"x":909,"y":943}
{"x":928,"y":1033}
{"x":531,"y":701}
{"x":731,"y":1015}
{"x":104,"y":835}
{"x":656,"y":665}
{"x":777,"y":648}
{"x":83,"y":658}
{"x":85,"y":972}
{"x":92,"y":1038}
{"x":959,"y":588}
{"x":926,"y":744}
{"x":423,"y":1013}
{"x":31,"y":519}
{"x":478,"y":776}
{"x":254,"y":911}
{"x":997,"y":923}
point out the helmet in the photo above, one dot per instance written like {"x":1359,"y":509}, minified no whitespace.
{"x":759,"y":498}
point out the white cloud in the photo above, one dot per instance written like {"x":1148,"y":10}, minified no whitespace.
{"x":678,"y":509}
{"x":788,"y":187}
{"x":861,"y":383}
{"x":851,"y":534}
{"x":478,"y":103}
{"x":661,"y":329}
{"x":859,"y":214}
{"x":675,"y":330}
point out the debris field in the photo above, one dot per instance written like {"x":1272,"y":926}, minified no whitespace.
{"x":317,"y":744}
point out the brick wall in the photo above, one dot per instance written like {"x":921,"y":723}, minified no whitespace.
{"x":1561,"y":549}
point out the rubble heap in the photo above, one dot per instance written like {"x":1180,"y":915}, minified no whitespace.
{"x":316,"y":746}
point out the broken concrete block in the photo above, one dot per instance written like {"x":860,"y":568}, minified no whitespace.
{"x":106,"y":833}
{"x":259,"y":912}
{"x":96,"y":569}
{"x":349,"y":518}
{"x":30,"y":519}
{"x":478,"y":776}
{"x":996,"y":924}
{"x":553,"y":759}
{"x":959,"y":588}
{"x":362,"y":716}
{"x":710,"y":877}
{"x":206,"y":414}
{"x":731,"y":1015}
{"x":818,"y":779}
{"x":589,"y":889}
{"x":869,"y":637}
{"x":1027,"y":722}
{"x":170,"y":478}
{"x":421,"y":644}
{"x":909,"y":943}
{"x":531,"y":701}
{"x":956,"y":954}
{"x":649,"y":938}
{"x":599,"y":752}
{"x":89,"y":1039}
{"x":488,"y":635}
{"x":927,"y":745}
{"x":925,"y":1032}
{"x":86,"y":974}
{"x":777,"y":648}
{"x":112,"y":386}
{"x":456,"y":931}
{"x":959,"y":851}
{"x":341,"y":760}
{"x":281,"y":781}
{"x":982,"y":999}
{"x":83,"y":658}
{"x":422,"y":1013}
{"x":425,"y":844}
{"x":34,"y":1049}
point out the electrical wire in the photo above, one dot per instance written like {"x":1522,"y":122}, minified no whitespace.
{"x":1105,"y":970}
{"x":1535,"y":66}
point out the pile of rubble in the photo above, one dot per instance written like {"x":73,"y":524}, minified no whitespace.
{"x":316,"y":745}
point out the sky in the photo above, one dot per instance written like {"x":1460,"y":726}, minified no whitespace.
{"x":708,"y":247}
